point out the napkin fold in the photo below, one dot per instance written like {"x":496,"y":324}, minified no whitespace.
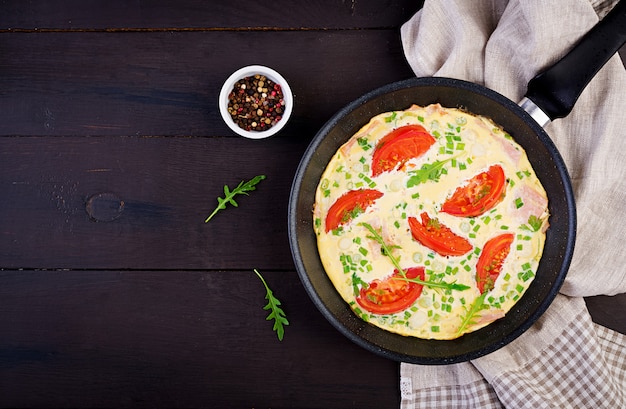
{"x":564,"y":360}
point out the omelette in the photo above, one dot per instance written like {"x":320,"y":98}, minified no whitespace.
{"x":430,"y":222}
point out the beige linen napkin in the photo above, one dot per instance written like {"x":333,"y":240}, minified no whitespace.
{"x":564,"y":360}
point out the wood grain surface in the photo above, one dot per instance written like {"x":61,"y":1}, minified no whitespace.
{"x":113,"y":290}
{"x":89,"y":15}
{"x":176,"y":339}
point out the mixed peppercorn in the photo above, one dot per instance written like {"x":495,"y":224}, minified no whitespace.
{"x":256,"y":103}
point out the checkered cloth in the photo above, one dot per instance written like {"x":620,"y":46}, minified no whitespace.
{"x":584,"y":367}
{"x":564,"y":360}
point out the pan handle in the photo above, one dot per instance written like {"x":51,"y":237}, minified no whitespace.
{"x":556,"y":89}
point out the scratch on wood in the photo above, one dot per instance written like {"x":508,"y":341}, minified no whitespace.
{"x":49,"y":119}
{"x":100,"y":170}
{"x":102,"y":126}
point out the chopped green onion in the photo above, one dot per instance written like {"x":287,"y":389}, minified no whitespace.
{"x":391,"y":117}
{"x":363,"y":144}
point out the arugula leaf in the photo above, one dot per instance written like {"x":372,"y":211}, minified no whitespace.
{"x":357,"y":284}
{"x":276,"y":313}
{"x":534,"y":222}
{"x":386,"y":250}
{"x":428,"y":171}
{"x":432,"y":284}
{"x":472,"y":313}
{"x":241,"y":189}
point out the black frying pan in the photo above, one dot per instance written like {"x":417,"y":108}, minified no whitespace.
{"x":550,"y":95}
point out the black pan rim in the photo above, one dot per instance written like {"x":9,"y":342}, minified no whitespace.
{"x":293,"y":222}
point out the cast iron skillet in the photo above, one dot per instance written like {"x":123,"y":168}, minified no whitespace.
{"x":550,"y":95}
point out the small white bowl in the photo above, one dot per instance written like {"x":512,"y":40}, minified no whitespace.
{"x":248,"y":72}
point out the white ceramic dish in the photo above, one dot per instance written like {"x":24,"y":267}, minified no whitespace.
{"x":247,"y":72}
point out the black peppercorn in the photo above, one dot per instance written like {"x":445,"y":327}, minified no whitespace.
{"x":256,"y":103}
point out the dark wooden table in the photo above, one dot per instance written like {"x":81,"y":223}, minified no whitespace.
{"x":113,"y":290}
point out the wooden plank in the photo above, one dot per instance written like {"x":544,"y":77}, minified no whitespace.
{"x":120,"y":14}
{"x":176,"y":339}
{"x":61,"y":202}
{"x":127,"y":338}
{"x":167,"y":83}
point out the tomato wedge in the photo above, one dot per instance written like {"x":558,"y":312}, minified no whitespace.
{"x":479,"y":195}
{"x":350,"y":205}
{"x":437,"y":237}
{"x":392,"y":294}
{"x":490,"y":261}
{"x":400,"y":145}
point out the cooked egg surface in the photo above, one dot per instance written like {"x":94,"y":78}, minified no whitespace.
{"x":464,"y":145}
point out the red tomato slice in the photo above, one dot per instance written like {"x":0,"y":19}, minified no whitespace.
{"x":349,"y":205}
{"x":400,"y":145}
{"x":391,"y":294}
{"x":491,"y":259}
{"x":437,"y":237}
{"x":479,"y":195}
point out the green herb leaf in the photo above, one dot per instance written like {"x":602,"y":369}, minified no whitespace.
{"x":241,"y":189}
{"x":534,"y":222}
{"x":472,"y":313}
{"x":428,"y":171}
{"x":433,"y":284}
{"x":357,"y":284}
{"x":276,"y":313}
{"x":386,"y":250}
